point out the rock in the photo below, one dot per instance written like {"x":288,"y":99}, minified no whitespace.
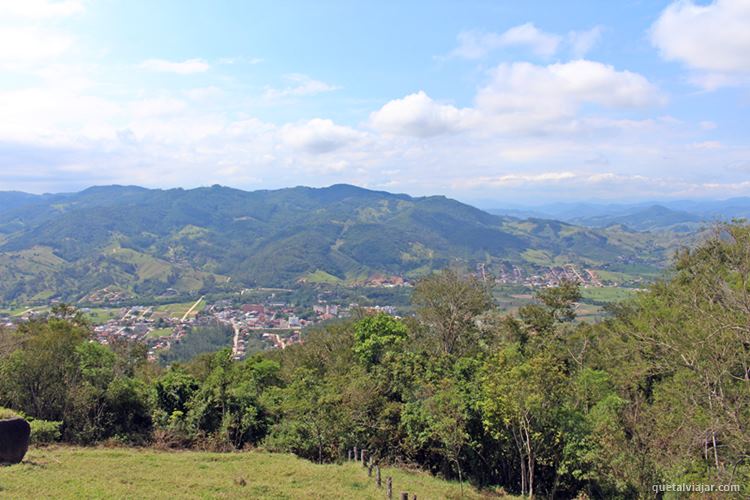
{"x":14,"y":440}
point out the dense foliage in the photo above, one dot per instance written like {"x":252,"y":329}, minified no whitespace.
{"x":533,"y":402}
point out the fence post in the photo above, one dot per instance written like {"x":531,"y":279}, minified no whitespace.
{"x":377,"y":477}
{"x":362,"y":458}
{"x":348,"y":455}
{"x":355,"y":454}
{"x":389,"y":487}
{"x":404,"y":495}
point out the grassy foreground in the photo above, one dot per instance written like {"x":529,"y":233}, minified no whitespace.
{"x":68,"y":472}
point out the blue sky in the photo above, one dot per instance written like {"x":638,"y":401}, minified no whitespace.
{"x":486,"y":101}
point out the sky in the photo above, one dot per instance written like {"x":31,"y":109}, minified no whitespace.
{"x":490,"y":102}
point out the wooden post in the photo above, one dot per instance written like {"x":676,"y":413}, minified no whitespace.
{"x":414,"y":497}
{"x":355,"y":453}
{"x":369,"y":470}
{"x":349,"y":455}
{"x":377,"y":477}
{"x":404,"y":495}
{"x":389,"y":487}
{"x":362,"y":458}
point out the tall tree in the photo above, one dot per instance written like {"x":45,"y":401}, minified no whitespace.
{"x":449,"y":304}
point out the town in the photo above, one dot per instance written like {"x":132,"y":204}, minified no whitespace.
{"x":265,"y":318}
{"x":275,"y":324}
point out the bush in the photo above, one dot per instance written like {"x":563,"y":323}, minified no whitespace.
{"x":45,"y":431}
{"x":177,"y":433}
{"x":8,"y":413}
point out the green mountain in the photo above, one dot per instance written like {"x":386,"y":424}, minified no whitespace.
{"x":151,"y":242}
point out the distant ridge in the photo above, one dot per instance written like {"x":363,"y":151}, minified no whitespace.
{"x":681,"y":215}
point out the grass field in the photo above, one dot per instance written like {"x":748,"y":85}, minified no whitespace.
{"x":159,"y":332}
{"x":99,"y":315}
{"x":177,"y":310}
{"x":322,"y":277}
{"x":607,"y":294}
{"x":18,"y":311}
{"x":67,"y":472}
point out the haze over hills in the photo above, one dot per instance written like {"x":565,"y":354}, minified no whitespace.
{"x":148,"y":241}
{"x":679,"y":215}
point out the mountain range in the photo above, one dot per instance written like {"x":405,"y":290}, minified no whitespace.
{"x":151,"y":242}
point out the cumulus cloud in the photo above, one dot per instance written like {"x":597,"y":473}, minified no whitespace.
{"x":299,"y":85}
{"x":419,"y":116}
{"x":186,"y":67}
{"x":533,"y":94}
{"x":319,"y":136}
{"x":713,"y":39}
{"x":477,"y":44}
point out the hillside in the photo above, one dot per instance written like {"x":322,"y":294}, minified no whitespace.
{"x":137,"y":241}
{"x":62,"y":472}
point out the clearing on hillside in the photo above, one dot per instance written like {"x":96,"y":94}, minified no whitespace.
{"x":70,"y":472}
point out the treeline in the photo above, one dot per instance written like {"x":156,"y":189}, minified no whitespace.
{"x":532,"y":402}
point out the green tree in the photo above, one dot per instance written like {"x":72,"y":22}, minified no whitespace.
{"x":679,"y":353}
{"x":377,"y":334}
{"x":35,"y":377}
{"x":448,"y":304}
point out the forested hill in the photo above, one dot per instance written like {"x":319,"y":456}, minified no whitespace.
{"x":147,"y":241}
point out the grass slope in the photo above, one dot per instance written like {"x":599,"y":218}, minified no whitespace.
{"x":66,"y":472}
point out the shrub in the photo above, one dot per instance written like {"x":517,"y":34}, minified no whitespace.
{"x":8,"y":413}
{"x":45,"y":431}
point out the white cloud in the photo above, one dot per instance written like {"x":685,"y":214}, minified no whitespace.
{"x":517,"y":179}
{"x":40,"y":9}
{"x":49,"y":115}
{"x":713,"y":81}
{"x":706,"y":145}
{"x":713,"y":39}
{"x":319,"y":136}
{"x":186,"y":67}
{"x":157,"y":107}
{"x":28,"y":44}
{"x":581,"y":42}
{"x":419,"y":116}
{"x":299,"y":85}
{"x":528,"y":95}
{"x":475,"y":44}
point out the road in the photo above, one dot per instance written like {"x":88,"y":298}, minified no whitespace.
{"x":236,"y":340}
